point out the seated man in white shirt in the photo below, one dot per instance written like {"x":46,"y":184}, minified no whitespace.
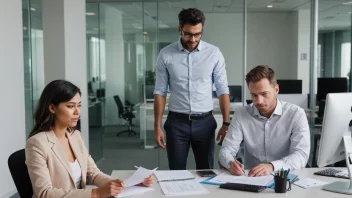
{"x":275,"y":133}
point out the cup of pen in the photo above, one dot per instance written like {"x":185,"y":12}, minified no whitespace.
{"x":281,"y":181}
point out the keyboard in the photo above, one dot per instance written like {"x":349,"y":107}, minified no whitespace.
{"x":243,"y":187}
{"x":330,"y":172}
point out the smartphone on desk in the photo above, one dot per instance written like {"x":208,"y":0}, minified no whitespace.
{"x":206,"y":173}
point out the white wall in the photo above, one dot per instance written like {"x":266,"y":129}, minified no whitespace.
{"x":226,"y":32}
{"x":269,"y":42}
{"x":12,"y":117}
{"x":114,"y":47}
{"x":65,"y":48}
{"x":303,"y":44}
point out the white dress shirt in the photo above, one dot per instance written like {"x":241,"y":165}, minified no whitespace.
{"x":76,"y":173}
{"x":190,"y":76}
{"x":283,"y":139}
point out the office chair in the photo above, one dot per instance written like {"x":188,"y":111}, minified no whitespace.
{"x":127,"y":114}
{"x":19,"y":173}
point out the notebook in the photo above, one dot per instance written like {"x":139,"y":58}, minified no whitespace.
{"x":178,"y":183}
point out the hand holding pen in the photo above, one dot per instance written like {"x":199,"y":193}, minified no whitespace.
{"x":237,"y":168}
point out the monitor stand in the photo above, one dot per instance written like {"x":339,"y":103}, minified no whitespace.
{"x":343,"y":187}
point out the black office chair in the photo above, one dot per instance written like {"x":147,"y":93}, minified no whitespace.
{"x":127,"y":114}
{"x":19,"y":173}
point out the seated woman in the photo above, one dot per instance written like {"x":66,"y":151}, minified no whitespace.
{"x":58,"y":162}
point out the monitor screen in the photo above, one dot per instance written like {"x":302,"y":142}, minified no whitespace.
{"x":149,"y":92}
{"x":290,"y":86}
{"x":235,"y":93}
{"x":336,"y":124}
{"x":330,"y":85}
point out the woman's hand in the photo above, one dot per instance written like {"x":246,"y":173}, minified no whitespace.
{"x":111,"y":188}
{"x":148,"y":181}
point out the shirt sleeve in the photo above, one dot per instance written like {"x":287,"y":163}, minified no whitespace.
{"x":162,"y":75}
{"x":232,"y":142}
{"x":219,"y":75}
{"x":299,"y":145}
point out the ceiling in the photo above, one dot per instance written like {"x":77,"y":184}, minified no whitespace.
{"x":333,"y":14}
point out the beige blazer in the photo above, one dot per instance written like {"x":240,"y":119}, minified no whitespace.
{"x":50,"y":171}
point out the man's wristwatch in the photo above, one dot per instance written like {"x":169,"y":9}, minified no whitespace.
{"x":226,"y":123}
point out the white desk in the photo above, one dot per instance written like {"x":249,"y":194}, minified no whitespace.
{"x":215,"y":191}
{"x":147,"y":118}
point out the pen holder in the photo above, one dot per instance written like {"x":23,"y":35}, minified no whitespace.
{"x":281,"y":184}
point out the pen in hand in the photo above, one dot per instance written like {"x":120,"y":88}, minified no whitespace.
{"x":239,"y":163}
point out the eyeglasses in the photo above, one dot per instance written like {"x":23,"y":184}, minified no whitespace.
{"x":190,"y":35}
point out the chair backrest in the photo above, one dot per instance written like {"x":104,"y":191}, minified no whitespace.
{"x":119,"y":105}
{"x":19,"y":173}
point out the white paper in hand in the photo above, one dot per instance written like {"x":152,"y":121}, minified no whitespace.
{"x":138,"y":176}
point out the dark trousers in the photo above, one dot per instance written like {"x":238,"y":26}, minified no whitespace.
{"x":181,"y":133}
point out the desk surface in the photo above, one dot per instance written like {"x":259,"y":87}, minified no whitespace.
{"x":215,"y":191}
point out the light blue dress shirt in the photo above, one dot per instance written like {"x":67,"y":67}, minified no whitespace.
{"x":283,"y":139}
{"x":190,"y":77}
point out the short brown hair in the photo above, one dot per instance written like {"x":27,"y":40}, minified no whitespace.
{"x":260,"y":72}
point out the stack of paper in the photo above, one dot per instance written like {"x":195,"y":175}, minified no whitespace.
{"x":179,"y":182}
{"x":134,"y":190}
{"x":227,"y":177}
{"x":173,"y":175}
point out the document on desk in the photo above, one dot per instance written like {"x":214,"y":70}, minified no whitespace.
{"x":180,"y":188}
{"x":227,"y":177}
{"x":309,"y":183}
{"x":173,"y":175}
{"x":138,"y":176}
{"x":134,"y":190}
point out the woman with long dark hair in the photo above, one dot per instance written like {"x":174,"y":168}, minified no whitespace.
{"x":58,"y":162}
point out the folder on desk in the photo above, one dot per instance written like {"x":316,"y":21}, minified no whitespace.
{"x":228,"y":178}
{"x":178,"y":183}
{"x":254,"y":180}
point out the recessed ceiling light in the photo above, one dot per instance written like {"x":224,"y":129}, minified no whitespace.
{"x":347,"y":3}
{"x":90,"y":13}
{"x":269,"y":6}
{"x":349,"y":12}
{"x":33,"y":9}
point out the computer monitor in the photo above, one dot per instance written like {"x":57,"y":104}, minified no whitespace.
{"x":235,"y":93}
{"x":336,"y":142}
{"x":290,"y":86}
{"x":330,"y":85}
{"x":149,"y":93}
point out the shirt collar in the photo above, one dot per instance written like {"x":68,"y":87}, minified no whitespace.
{"x":180,"y":47}
{"x":277,"y":111}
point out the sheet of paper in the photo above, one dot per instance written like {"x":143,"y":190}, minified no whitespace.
{"x":138,"y":176}
{"x":173,"y":175}
{"x":187,"y":187}
{"x":134,"y":190}
{"x":309,"y":183}
{"x":226,"y":177}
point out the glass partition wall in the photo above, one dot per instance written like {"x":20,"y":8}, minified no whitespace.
{"x":125,"y":37}
{"x":123,"y":42}
{"x":33,"y":57}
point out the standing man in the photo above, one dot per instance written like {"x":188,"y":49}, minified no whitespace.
{"x":189,"y":68}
